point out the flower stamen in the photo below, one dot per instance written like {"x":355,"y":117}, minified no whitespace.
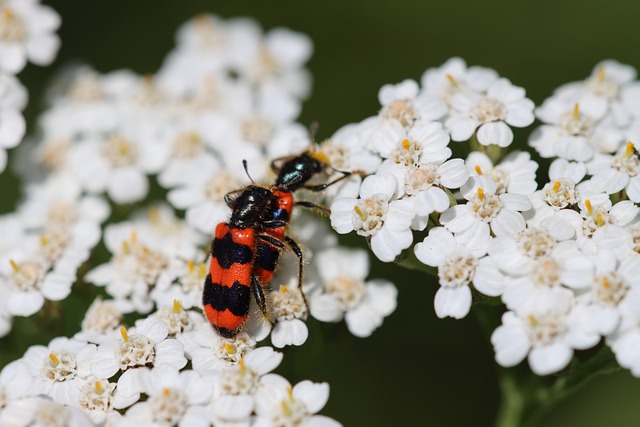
{"x":54,"y":359}
{"x":629,"y":150}
{"x":587,"y":203}
{"x":177,"y":306}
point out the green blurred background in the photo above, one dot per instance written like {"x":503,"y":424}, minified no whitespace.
{"x":416,"y":369}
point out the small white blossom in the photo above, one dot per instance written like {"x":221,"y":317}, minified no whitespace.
{"x":378,"y":215}
{"x":289,"y":311}
{"x":456,"y":269}
{"x":547,"y":338}
{"x":484,"y":213}
{"x":174,"y":398}
{"x":40,"y":411}
{"x":27,"y":34}
{"x":491,"y":113}
{"x":277,"y":403}
{"x":218,"y":353}
{"x":60,"y":369}
{"x":625,"y":340}
{"x":454,"y":77}
{"x":573,"y":131}
{"x":515,"y":174}
{"x":346,"y":294}
{"x":146,"y":344}
{"x":13,"y":99}
{"x":15,"y":383}
{"x":404,"y":103}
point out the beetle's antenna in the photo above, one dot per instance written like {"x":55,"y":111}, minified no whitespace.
{"x":246,"y":170}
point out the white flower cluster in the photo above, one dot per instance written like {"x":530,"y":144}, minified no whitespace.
{"x":111,"y":375}
{"x":45,"y":241}
{"x":109,"y":137}
{"x":27,"y":34}
{"x":106,"y":138}
{"x":563,"y":259}
{"x":411,"y":176}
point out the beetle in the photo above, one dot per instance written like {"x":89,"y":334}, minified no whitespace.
{"x":293,"y":173}
{"x":230,"y":282}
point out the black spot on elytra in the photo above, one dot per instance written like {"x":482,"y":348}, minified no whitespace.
{"x":266,"y":257}
{"x":236,"y":298}
{"x":227,"y":333}
{"x":226,"y":251}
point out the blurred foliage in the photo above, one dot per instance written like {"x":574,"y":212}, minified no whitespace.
{"x":416,"y":369}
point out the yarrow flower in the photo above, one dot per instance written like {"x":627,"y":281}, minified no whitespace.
{"x":347,"y":295}
{"x":27,"y":34}
{"x":560,"y":259}
{"x":376,"y":214}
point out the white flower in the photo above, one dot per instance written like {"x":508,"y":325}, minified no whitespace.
{"x":277,"y":403}
{"x":117,"y":163}
{"x":606,"y":87}
{"x":205,"y":45}
{"x":40,"y":411}
{"x":600,"y":226}
{"x":376,"y":214}
{"x":243,"y":378}
{"x":611,"y":284}
{"x":625,"y":341}
{"x":186,"y":288}
{"x":218,"y":353}
{"x":174,"y":398}
{"x":492,"y":113}
{"x":485,"y":212}
{"x":277,"y":59}
{"x":547,"y":272}
{"x":515,"y":174}
{"x":97,"y":399}
{"x":289,"y":311}
{"x":186,"y":147}
{"x":28,"y":280}
{"x":347,"y":295}
{"x":27,"y":33}
{"x":146,"y":344}
{"x":546,"y":338}
{"x":456,"y":269}
{"x":177,"y":319}
{"x":13,"y":98}
{"x":618,"y":172}
{"x":454,"y":77}
{"x":136,"y":265}
{"x":555,"y":196}
{"x":403,"y":103}
{"x":60,"y":369}
{"x":425,"y":142}
{"x":573,"y":131}
{"x":58,"y":203}
{"x":203,"y":198}
{"x":232,"y":411}
{"x":15,"y":383}
{"x":511,"y":257}
{"x":86,"y":108}
{"x":102,"y":320}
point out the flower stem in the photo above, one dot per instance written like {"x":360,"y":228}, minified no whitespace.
{"x":526,"y":397}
